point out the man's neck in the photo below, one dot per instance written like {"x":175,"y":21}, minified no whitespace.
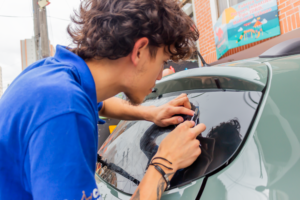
{"x":109,"y":76}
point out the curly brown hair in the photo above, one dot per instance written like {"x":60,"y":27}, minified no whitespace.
{"x":110,"y":28}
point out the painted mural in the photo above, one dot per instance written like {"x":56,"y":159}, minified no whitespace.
{"x":245,"y":23}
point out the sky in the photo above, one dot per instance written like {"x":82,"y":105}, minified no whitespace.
{"x":20,"y":26}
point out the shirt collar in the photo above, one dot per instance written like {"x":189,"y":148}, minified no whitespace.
{"x":85,"y":76}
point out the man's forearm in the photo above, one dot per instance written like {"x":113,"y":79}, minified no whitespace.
{"x":120,"y":109}
{"x":152,"y":186}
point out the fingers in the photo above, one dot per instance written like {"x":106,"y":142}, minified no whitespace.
{"x":180,"y":96}
{"x":187,"y":124}
{"x":181,"y":100}
{"x":173,"y":121}
{"x":181,"y":110}
{"x":187,"y":104}
{"x":198,"y":129}
{"x":176,"y":120}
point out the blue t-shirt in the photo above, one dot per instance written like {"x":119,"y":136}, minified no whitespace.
{"x":48,"y":131}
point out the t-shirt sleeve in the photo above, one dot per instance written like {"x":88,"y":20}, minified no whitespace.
{"x":99,"y":106}
{"x":61,"y":158}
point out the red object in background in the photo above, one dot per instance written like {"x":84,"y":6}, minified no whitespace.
{"x":43,"y":3}
{"x":171,"y":68}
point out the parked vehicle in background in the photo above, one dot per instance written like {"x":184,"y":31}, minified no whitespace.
{"x":251,"y":146}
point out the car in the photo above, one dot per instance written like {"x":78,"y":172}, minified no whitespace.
{"x":250,"y":148}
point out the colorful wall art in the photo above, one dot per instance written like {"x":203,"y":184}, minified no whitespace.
{"x":245,"y":23}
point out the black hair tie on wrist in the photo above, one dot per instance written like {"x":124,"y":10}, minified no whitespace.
{"x":161,"y":171}
{"x":164,"y":175}
{"x":162,"y":159}
{"x":161,"y":165}
{"x":151,"y":163}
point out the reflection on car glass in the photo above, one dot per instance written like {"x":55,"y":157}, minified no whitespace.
{"x":227,"y":116}
{"x":122,"y":126}
{"x":227,"y":139}
{"x":216,"y":148}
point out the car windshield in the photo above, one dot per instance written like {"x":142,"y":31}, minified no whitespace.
{"x":227,"y":116}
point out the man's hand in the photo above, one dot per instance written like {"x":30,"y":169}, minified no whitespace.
{"x":181,"y":146}
{"x":164,"y":115}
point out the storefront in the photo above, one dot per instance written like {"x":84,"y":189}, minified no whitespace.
{"x":230,"y":29}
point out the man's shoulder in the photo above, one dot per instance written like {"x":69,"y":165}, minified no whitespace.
{"x":52,"y":89}
{"x":50,"y":74}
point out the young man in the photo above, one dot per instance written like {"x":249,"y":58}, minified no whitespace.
{"x":49,"y":114}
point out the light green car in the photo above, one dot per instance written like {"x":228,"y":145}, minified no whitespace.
{"x":251,"y":147}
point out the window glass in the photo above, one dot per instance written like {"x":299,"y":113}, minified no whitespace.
{"x":227,"y":116}
{"x":222,"y":5}
{"x":234,"y":2}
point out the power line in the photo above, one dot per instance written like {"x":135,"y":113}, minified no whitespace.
{"x":60,"y":18}
{"x":13,"y":16}
{"x":32,"y":16}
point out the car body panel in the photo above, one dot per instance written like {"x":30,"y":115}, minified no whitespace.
{"x":268,"y":166}
{"x":255,"y":59}
{"x":108,"y":192}
{"x":189,"y":191}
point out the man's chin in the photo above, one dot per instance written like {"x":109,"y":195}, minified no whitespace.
{"x":134,"y":99}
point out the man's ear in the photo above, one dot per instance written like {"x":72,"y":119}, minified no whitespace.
{"x":139,"y":49}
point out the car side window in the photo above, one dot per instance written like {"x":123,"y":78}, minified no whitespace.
{"x":125,"y":155}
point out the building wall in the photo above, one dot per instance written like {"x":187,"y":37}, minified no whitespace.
{"x":31,"y":52}
{"x":1,"y":83}
{"x":52,"y":50}
{"x":289,"y":17}
{"x":204,"y":23}
{"x":23,"y":54}
{"x":28,"y":52}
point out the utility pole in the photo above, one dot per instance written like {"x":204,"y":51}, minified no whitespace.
{"x":37,"y":34}
{"x":41,"y":37}
{"x":44,"y":33}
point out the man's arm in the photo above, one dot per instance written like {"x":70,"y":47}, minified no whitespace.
{"x":152,"y":186}
{"x":183,"y":137}
{"x":162,"y":116}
